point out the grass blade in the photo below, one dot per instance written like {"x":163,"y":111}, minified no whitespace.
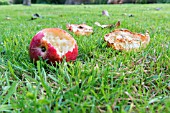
{"x":10,"y":92}
{"x":12,"y":71}
{"x":5,"y":108}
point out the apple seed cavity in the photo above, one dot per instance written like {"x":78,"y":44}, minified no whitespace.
{"x":43,"y":49}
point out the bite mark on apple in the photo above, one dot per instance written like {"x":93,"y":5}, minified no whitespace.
{"x":62,"y":45}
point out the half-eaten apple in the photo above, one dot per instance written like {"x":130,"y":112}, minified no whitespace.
{"x":123,"y":39}
{"x":80,"y":29}
{"x":53,"y":44}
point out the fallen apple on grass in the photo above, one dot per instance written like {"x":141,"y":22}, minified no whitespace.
{"x":53,"y":44}
{"x":80,"y":29}
{"x":123,"y":39}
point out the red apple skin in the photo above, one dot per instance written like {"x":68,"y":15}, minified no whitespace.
{"x":51,"y":54}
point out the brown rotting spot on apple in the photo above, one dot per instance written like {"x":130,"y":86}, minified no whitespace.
{"x":80,"y":27}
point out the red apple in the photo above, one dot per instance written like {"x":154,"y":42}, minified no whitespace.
{"x":53,"y":44}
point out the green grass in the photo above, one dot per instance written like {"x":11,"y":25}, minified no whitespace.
{"x":101,"y":79}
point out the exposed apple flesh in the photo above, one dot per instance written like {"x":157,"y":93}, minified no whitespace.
{"x":80,"y":29}
{"x":123,"y":39}
{"x":53,"y":44}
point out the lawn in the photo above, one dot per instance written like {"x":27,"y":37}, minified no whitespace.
{"x":101,"y":79}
